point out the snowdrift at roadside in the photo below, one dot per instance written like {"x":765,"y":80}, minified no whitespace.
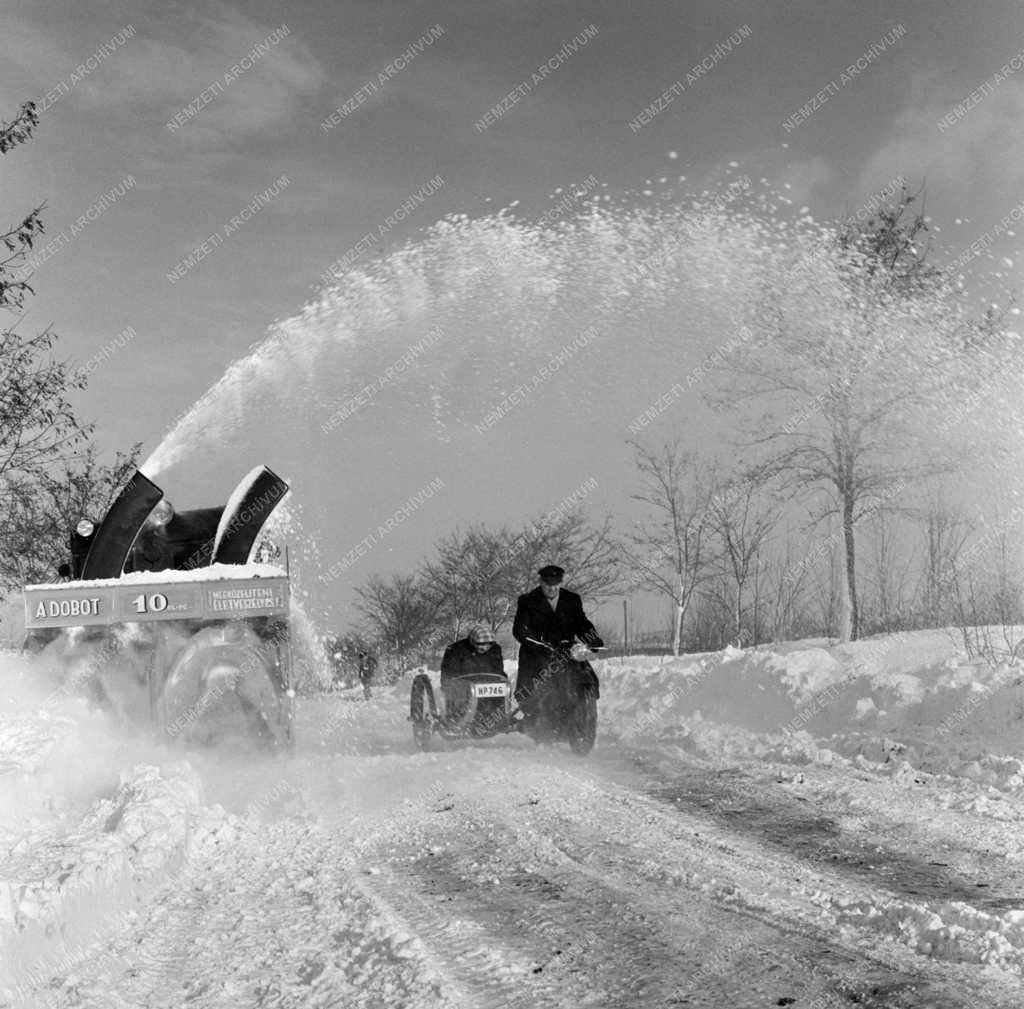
{"x":55,"y":890}
{"x":80,"y":836}
{"x":913,"y":695}
{"x":916,"y":732}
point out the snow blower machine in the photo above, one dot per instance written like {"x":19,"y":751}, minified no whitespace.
{"x":162,"y":619}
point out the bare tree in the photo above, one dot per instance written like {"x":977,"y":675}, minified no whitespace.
{"x":671,"y":549}
{"x":849,"y":350}
{"x":469,"y":580}
{"x":41,"y":511}
{"x":478,"y":573}
{"x":828,"y":591}
{"x":945,"y":533}
{"x":889,"y":573}
{"x":988,"y":587}
{"x":893,"y":244}
{"x":743,"y":516}
{"x":590,"y":553}
{"x":18,"y":240}
{"x":399,"y":611}
{"x":1007,"y":589}
{"x":788,"y":576}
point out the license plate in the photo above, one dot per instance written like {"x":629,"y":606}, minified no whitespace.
{"x":490,"y":690}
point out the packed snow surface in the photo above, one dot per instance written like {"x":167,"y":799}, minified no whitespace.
{"x":800,"y":824}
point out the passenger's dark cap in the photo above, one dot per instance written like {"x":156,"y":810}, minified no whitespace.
{"x":551,"y":573}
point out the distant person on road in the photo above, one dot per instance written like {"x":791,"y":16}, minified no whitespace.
{"x":551,"y":614}
{"x":476,"y":653}
{"x":367,"y":669}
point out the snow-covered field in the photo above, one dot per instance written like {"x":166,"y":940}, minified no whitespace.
{"x":794,"y":825}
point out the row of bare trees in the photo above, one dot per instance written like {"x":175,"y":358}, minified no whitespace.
{"x":703,"y":534}
{"x":735,"y":558}
{"x":856,"y":362}
{"x":740,"y":561}
{"x":475,"y":577}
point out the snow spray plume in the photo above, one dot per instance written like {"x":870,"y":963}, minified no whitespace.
{"x":459,"y":353}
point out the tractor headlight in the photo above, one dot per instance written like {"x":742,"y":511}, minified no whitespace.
{"x":85,"y":528}
{"x":161,"y":514}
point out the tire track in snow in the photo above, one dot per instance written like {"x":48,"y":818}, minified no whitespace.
{"x":648,"y":851}
{"x":791,"y":824}
{"x":596,"y":946}
{"x":793,"y":892}
{"x":813,"y":873}
{"x":265,"y":918}
{"x":546,"y":887}
{"x":481,"y":972}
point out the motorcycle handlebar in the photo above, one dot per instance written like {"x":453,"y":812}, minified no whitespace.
{"x":562,"y":644}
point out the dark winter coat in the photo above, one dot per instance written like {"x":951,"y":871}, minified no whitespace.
{"x":367,"y":667}
{"x":536,"y":619}
{"x":462,"y":659}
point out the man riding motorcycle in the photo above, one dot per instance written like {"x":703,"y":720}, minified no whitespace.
{"x":551,"y":614}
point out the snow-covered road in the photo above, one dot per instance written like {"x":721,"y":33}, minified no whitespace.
{"x":664,"y":870}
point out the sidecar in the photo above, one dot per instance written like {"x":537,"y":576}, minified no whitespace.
{"x":475,"y":706}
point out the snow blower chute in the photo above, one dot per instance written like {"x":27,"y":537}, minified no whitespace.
{"x":165,"y":619}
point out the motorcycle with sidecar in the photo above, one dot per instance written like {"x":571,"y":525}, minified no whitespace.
{"x":480,"y":705}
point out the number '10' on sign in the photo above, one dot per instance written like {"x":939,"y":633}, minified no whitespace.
{"x":153,"y":603}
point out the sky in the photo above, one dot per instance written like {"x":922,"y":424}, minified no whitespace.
{"x":289,"y":132}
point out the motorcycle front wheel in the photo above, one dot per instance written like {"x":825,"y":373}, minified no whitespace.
{"x":582,"y":728}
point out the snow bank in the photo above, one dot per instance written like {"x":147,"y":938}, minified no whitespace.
{"x":79,"y":835}
{"x":57,"y":890}
{"x":916,"y":695}
{"x":56,"y":754}
{"x":759,"y":690}
{"x":952,"y":931}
